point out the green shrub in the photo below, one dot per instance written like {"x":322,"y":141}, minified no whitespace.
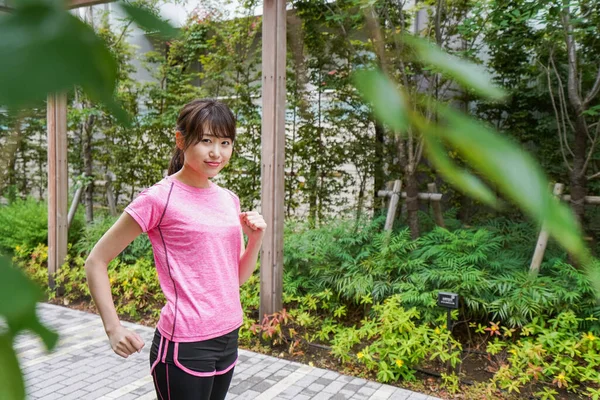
{"x":393,"y":341}
{"x":91,"y":234}
{"x":487,"y":267}
{"x":551,"y":353}
{"x":34,"y":262}
{"x":135,"y":286}
{"x":25,"y":223}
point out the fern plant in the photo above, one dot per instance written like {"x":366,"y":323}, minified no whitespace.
{"x":487,"y":267}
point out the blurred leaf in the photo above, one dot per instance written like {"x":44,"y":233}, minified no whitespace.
{"x":388,"y":104}
{"x":516,"y":173}
{"x":469,"y":75}
{"x":458,"y":177}
{"x":148,"y":21}
{"x":18,"y":298}
{"x":11,"y":380}
{"x":45,"y":50}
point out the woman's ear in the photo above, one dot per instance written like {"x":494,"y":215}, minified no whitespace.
{"x":179,"y":141}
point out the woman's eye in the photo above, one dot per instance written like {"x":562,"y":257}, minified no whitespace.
{"x":226,"y":143}
{"x":206,"y":140}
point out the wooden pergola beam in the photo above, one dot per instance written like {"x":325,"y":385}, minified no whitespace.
{"x":85,"y":3}
{"x":69,"y":4}
{"x":272,"y":158}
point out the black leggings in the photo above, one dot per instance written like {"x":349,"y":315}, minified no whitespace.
{"x":193,"y":370}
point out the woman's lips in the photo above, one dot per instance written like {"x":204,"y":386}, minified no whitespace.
{"x":213,"y":164}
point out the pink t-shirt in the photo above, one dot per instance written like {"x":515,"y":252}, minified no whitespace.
{"x":196,"y":239}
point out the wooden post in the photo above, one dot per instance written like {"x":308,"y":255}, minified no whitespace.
{"x":540,"y":247}
{"x":586,"y":199}
{"x":57,"y":183}
{"x":421,"y":196}
{"x":436,"y":207}
{"x":74,"y":204}
{"x":112,"y":204}
{"x":272,"y":159}
{"x":391,"y":214}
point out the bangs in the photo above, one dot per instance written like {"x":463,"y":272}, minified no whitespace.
{"x":218,"y":129}
{"x":215,"y":119}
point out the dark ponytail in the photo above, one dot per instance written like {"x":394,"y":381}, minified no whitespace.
{"x":176,"y":161}
{"x":197,"y":117}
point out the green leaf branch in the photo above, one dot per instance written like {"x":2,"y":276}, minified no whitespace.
{"x":516,"y":175}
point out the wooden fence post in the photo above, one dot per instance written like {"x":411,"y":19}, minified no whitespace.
{"x":74,"y":204}
{"x":542,"y":242}
{"x":395,"y":197}
{"x":436,"y":207}
{"x":112,"y":205}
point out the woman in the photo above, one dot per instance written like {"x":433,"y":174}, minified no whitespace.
{"x":195,"y":228}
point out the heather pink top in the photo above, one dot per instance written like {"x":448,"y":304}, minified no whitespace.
{"x":196,"y":239}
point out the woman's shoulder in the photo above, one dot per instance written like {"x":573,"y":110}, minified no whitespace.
{"x":229,"y":192}
{"x":158,"y":191}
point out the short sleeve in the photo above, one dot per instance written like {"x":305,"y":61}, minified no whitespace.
{"x":146,"y":210}
{"x":236,"y":200}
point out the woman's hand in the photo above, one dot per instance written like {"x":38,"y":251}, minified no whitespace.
{"x":125,"y":342}
{"x":253,"y":225}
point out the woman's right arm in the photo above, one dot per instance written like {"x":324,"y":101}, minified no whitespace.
{"x":123,"y":341}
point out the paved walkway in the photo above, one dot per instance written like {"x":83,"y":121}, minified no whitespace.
{"x":83,"y":367}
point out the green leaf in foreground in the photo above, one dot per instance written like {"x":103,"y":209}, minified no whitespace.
{"x":467,"y":74}
{"x":44,"y":49}
{"x":388,"y":103}
{"x":458,"y":177}
{"x":148,"y":21}
{"x":18,"y":299}
{"x":11,"y":381}
{"x":515,"y":172}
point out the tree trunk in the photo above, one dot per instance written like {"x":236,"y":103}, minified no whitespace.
{"x":466,"y":208}
{"x":379,"y":176}
{"x":578,"y":181}
{"x":311,"y":185}
{"x":87,"y":167}
{"x":412,"y":204}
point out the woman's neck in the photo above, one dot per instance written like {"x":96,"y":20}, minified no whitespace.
{"x":191,"y":178}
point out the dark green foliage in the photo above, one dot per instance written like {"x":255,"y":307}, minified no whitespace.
{"x":139,"y":248}
{"x":25,"y":223}
{"x":487,"y":266}
{"x":92,"y":233}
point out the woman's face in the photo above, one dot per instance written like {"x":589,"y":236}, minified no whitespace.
{"x":209,"y":156}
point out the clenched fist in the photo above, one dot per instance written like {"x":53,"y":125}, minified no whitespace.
{"x":125,"y":342}
{"x":253,"y":224}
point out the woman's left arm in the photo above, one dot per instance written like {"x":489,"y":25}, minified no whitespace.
{"x":253,"y":226}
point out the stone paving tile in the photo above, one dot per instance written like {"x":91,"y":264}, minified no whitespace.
{"x":83,"y":367}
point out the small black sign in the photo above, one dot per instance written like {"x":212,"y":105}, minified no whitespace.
{"x":448,"y":300}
